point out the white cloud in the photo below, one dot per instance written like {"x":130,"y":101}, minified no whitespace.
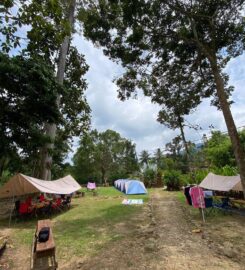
{"x":135,"y":119}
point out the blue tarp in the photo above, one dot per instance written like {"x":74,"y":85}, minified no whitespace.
{"x":129,"y":186}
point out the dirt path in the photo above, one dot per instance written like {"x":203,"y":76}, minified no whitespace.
{"x":159,"y":238}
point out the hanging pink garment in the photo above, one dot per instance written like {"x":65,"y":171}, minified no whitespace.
{"x":197,"y":197}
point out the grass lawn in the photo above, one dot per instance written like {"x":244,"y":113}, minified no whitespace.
{"x":85,"y":228}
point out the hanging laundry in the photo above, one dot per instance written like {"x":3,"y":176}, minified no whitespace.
{"x":208,"y":193}
{"x":187,"y":195}
{"x":197,"y":197}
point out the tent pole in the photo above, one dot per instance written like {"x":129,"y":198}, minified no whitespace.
{"x":203,"y":217}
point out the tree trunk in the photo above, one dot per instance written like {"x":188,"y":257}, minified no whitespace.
{"x":185,"y":145}
{"x":183,"y":137}
{"x":103,"y":176}
{"x":232,"y":130}
{"x":50,"y":129}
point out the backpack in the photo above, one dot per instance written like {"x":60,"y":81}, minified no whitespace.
{"x":43,"y":234}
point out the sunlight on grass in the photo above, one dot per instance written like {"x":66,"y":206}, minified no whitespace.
{"x":86,"y":227}
{"x":181,"y":197}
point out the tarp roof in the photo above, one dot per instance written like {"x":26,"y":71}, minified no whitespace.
{"x":221,"y":183}
{"x":21,"y":184}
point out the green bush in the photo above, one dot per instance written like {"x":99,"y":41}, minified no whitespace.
{"x":6,"y":174}
{"x":149,"y":177}
{"x":226,"y":170}
{"x":198,"y":175}
{"x":172,"y":179}
{"x":186,"y":179}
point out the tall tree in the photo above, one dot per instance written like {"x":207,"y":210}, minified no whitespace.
{"x":179,"y":93}
{"x":50,"y":128}
{"x":144,"y":157}
{"x":103,"y":156}
{"x":28,"y":91}
{"x":48,"y":29}
{"x":158,"y":157}
{"x":201,"y":34}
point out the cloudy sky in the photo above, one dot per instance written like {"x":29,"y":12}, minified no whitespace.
{"x":135,"y":119}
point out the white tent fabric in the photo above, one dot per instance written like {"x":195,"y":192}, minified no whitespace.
{"x":21,"y":184}
{"x":221,"y":183}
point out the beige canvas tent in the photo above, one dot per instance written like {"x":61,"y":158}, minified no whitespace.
{"x":21,"y":184}
{"x":221,"y":183}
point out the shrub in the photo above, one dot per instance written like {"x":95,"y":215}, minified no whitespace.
{"x":198,"y":175}
{"x":172,"y":179}
{"x":226,"y":170}
{"x":186,"y":179}
{"x":149,"y":177}
{"x":159,"y":180}
{"x":5,"y":177}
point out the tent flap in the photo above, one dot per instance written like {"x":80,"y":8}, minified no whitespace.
{"x":21,"y":184}
{"x":221,"y":183}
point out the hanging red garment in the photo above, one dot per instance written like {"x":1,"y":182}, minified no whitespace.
{"x":197,"y":197}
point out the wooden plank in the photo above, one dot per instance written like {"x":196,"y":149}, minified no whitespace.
{"x":48,"y":245}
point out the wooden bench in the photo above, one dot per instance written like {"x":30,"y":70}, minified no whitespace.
{"x":43,"y":254}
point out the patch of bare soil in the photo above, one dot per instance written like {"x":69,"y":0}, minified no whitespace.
{"x":13,"y":258}
{"x":161,"y":237}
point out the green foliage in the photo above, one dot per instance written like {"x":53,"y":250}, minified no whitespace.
{"x":9,"y":24}
{"x":104,"y":157}
{"x":135,"y":33}
{"x":28,"y":91}
{"x":159,"y":159}
{"x":46,"y":24}
{"x":172,"y":50}
{"x":198,"y":175}
{"x":226,"y":170}
{"x":144,"y":158}
{"x":149,"y":177}
{"x":47,"y":27}
{"x":219,"y":150}
{"x":5,"y":177}
{"x":172,"y":179}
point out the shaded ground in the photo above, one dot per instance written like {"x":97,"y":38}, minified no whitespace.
{"x":157,"y":236}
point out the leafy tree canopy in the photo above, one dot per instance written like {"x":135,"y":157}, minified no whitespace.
{"x":104,"y":156}
{"x":28,"y":91}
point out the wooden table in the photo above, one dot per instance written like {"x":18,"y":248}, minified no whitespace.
{"x":43,"y":254}
{"x":239,"y":203}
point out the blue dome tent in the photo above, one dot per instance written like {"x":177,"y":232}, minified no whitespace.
{"x":129,"y":186}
